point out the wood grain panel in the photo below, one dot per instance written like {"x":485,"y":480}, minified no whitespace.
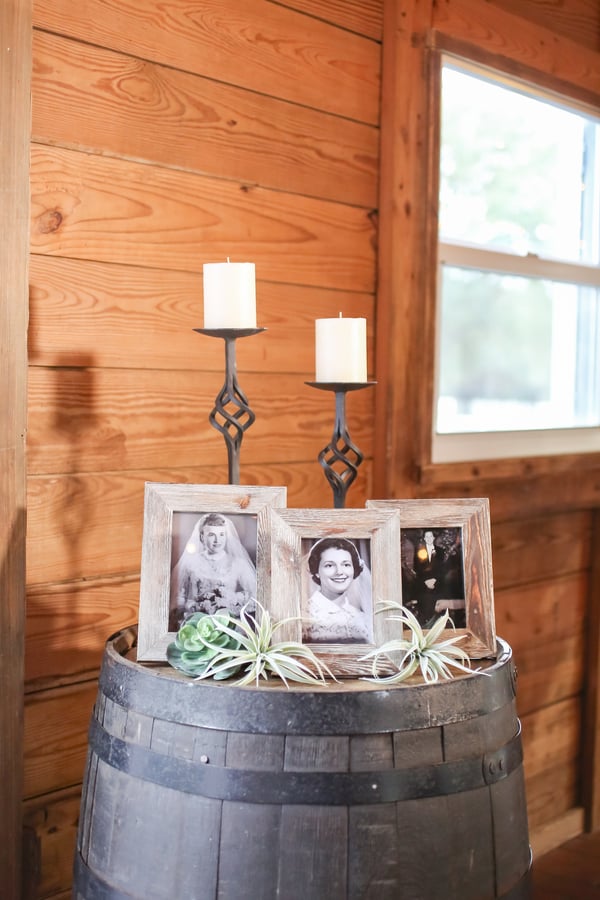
{"x":84,"y":526}
{"x":509,"y":469}
{"x":95,"y":314}
{"x":590,"y":756}
{"x":550,"y":671}
{"x":363,"y":16}
{"x":512,"y":499}
{"x":85,"y":97}
{"x":551,"y":735}
{"x":52,"y":821}
{"x":402,"y":272}
{"x":91,"y":207}
{"x":527,"y":44}
{"x":56,"y":724}
{"x":552,"y":793}
{"x":68,"y":625}
{"x":575,"y":19}
{"x":84,"y":420}
{"x":255,"y":44}
{"x":540,"y":548}
{"x":91,"y":524}
{"x":552,"y":834}
{"x":548,"y":611}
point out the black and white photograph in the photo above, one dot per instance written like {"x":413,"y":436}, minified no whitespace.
{"x":433,"y":574}
{"x":205,"y":549}
{"x":331,"y":569}
{"x":337,"y":603}
{"x":213,"y":562}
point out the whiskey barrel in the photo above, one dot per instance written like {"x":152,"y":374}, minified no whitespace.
{"x":203,"y":790}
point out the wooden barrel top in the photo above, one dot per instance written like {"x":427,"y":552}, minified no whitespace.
{"x":158,"y":689}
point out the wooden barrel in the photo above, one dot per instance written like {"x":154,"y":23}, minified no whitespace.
{"x":198,"y":790}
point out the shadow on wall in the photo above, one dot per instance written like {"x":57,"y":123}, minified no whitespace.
{"x":73,"y":605}
{"x":74,"y":422}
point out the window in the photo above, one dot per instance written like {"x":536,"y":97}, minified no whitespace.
{"x":518,"y":332}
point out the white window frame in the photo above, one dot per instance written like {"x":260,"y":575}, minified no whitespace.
{"x":468,"y":446}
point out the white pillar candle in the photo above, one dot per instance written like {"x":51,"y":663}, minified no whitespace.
{"x":229,"y":295}
{"x":341,"y":350}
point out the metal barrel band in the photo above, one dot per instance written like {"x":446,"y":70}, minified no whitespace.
{"x":290,"y":787}
{"x":495,"y":764}
{"x":233,"y":708}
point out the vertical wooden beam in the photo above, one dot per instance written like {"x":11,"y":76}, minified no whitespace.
{"x":401,"y":265}
{"x":591,"y":715}
{"x":15,"y":119}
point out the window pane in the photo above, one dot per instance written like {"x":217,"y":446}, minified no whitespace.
{"x":517,"y":173}
{"x":516,"y":353}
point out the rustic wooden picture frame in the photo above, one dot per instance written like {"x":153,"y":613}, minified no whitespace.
{"x":161,"y":502}
{"x":294,"y":532}
{"x":470,"y":517}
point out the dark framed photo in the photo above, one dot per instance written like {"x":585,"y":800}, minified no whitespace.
{"x":205,"y":549}
{"x":330,"y":570}
{"x":446,"y":556}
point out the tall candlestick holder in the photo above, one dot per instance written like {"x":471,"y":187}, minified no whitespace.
{"x":341,"y":457}
{"x":231,"y":414}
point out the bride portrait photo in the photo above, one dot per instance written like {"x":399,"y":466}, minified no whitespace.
{"x":214,"y":565}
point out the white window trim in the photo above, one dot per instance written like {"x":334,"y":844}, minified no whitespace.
{"x":469,"y":256}
{"x":449,"y":448}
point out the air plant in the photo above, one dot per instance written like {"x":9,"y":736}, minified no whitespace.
{"x":421,"y":651}
{"x":246,"y":645}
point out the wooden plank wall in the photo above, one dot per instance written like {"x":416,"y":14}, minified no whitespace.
{"x":541,"y":579}
{"x":164,"y":138}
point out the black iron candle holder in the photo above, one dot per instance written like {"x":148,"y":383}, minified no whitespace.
{"x":341,"y":457}
{"x":231,"y":414}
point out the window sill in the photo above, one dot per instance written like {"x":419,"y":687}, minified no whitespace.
{"x":443,"y":473}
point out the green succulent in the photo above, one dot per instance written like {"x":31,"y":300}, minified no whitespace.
{"x":224,"y":646}
{"x":421,"y":651}
{"x":199,"y":640}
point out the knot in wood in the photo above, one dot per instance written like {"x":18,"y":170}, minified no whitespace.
{"x":50,"y":221}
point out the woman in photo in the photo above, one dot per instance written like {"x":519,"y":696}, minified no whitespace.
{"x":214,"y":573}
{"x":340,"y":609}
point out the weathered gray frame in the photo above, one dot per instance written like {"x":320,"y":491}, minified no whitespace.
{"x":472,"y":515}
{"x":382,"y":528}
{"x":160,"y":502}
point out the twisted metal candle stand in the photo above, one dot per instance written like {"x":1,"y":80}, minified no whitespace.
{"x":341,"y":457}
{"x":231,"y":414}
